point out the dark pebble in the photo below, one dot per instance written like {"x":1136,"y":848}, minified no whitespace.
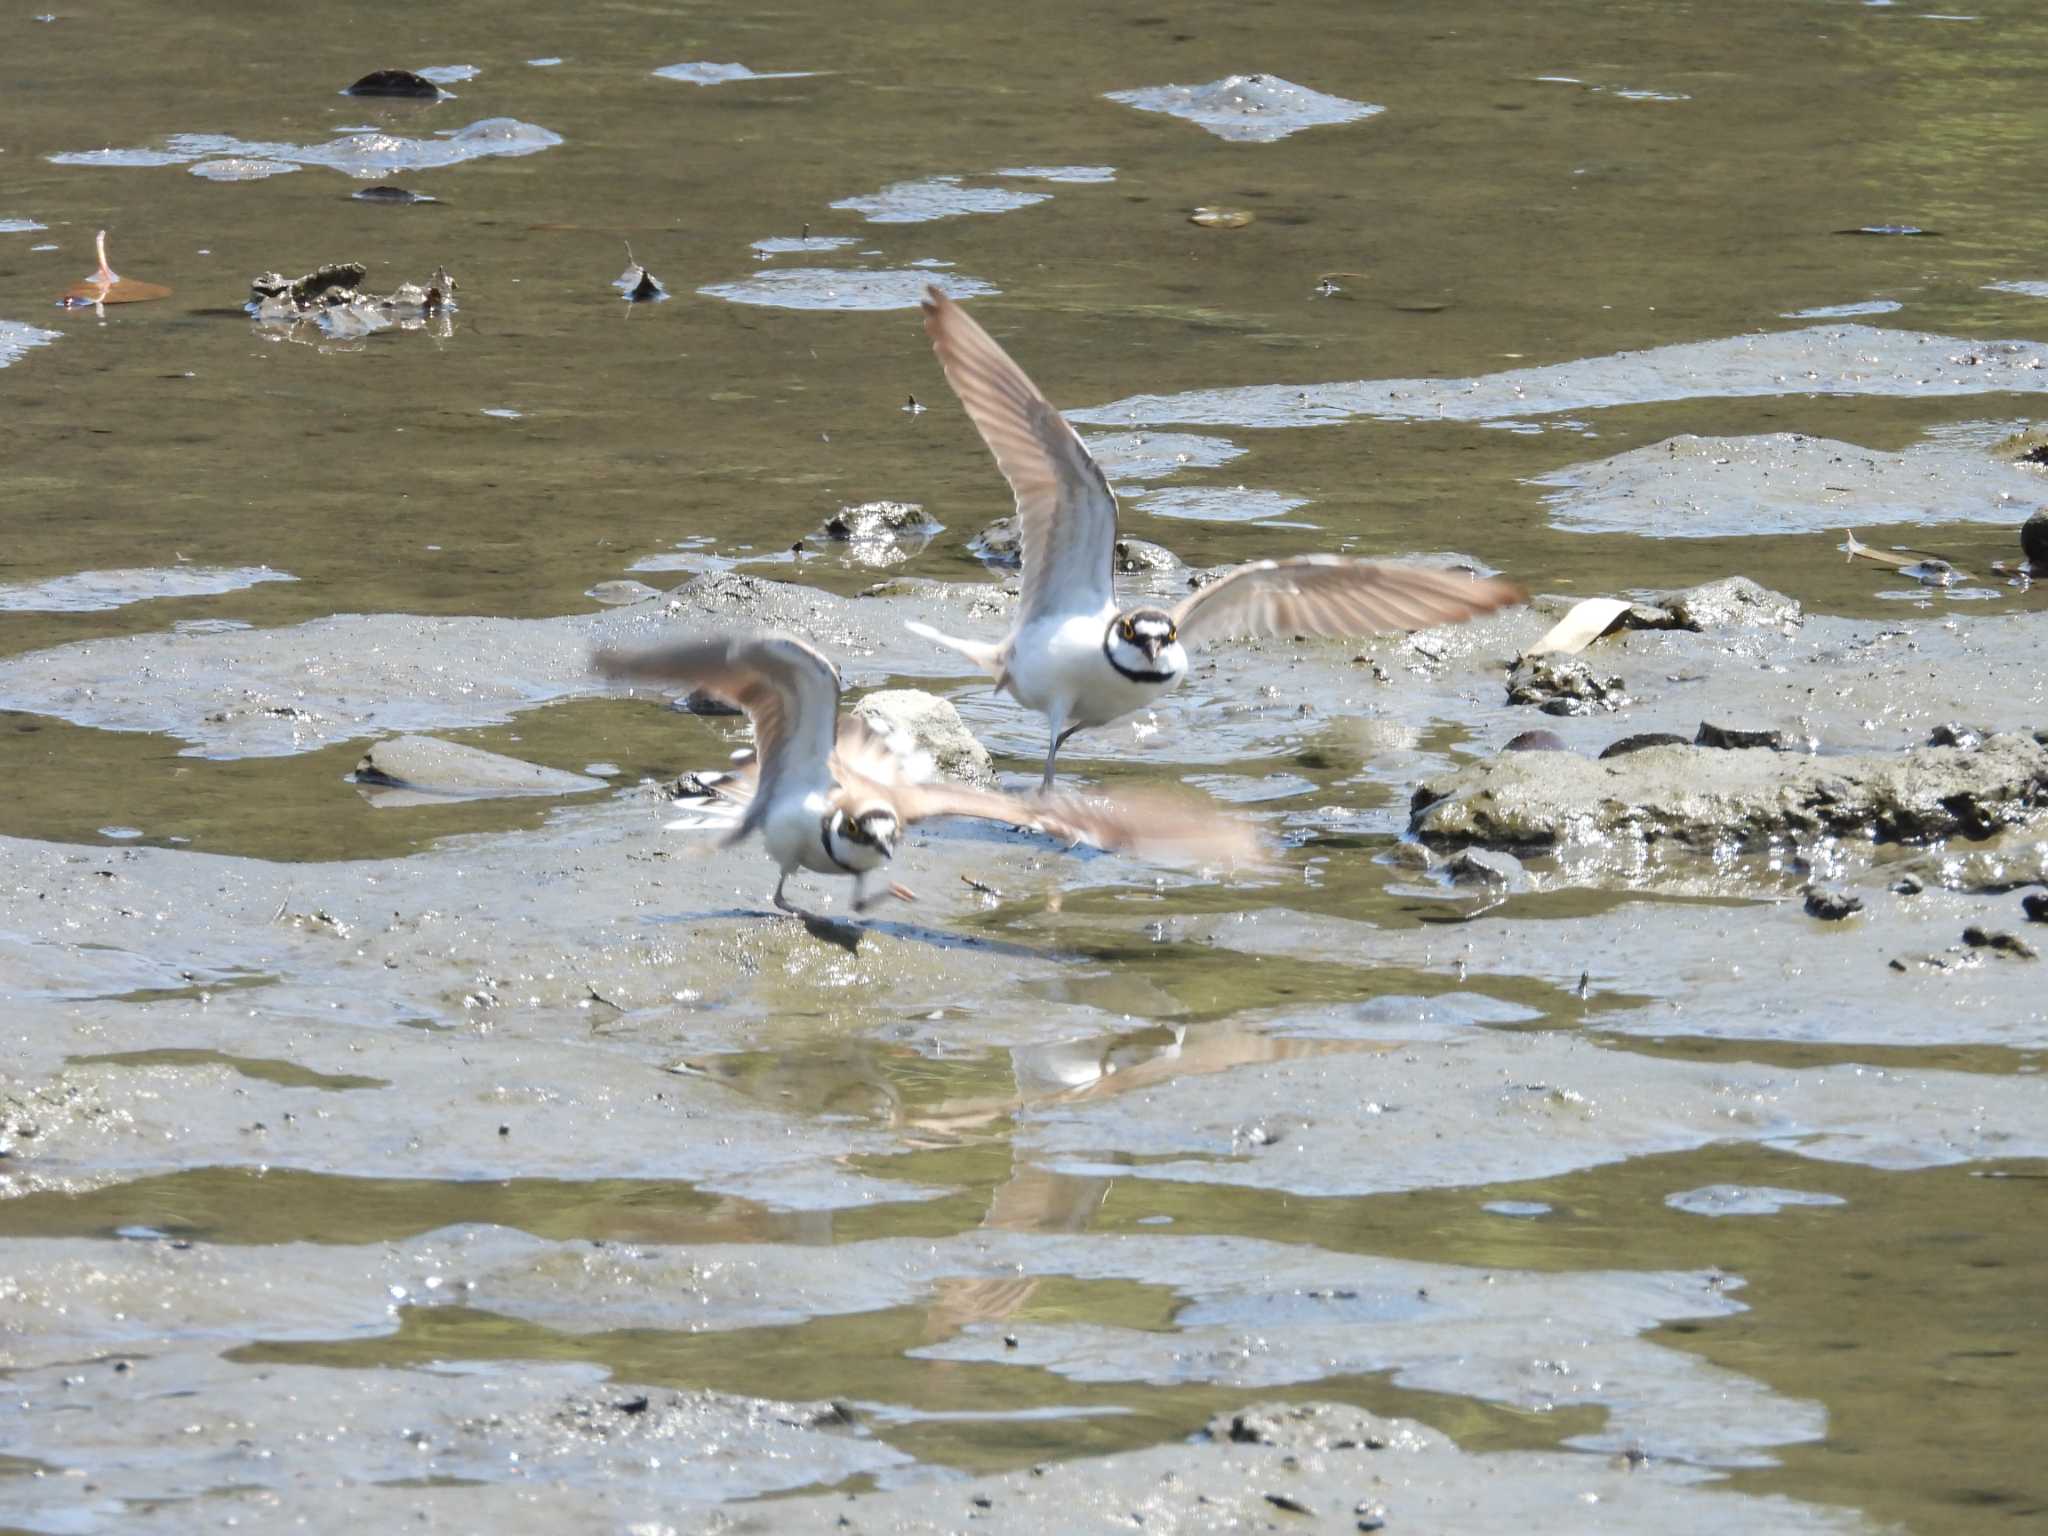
{"x":1473,"y":866}
{"x":1727,"y":738}
{"x":1289,"y":1503}
{"x":632,"y":1405}
{"x":698,"y":702}
{"x":2036,"y":907}
{"x":1134,"y":555}
{"x":1830,"y":906}
{"x":395,"y":82}
{"x":1536,"y":741}
{"x":2034,"y":540}
{"x":2003,"y":943}
{"x":391,"y":194}
{"x":1643,"y":739}
{"x":1955,"y":735}
{"x":1908,"y":885}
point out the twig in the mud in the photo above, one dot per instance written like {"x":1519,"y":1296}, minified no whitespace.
{"x":975,"y":885}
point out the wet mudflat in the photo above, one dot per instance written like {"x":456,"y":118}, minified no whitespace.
{"x":1550,"y":1141}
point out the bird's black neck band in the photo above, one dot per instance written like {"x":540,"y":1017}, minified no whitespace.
{"x":1109,"y":655}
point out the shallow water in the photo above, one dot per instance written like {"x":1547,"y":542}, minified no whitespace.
{"x":1066,"y":1167}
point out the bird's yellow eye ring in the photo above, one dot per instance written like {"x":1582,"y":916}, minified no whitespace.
{"x":1127,"y":630}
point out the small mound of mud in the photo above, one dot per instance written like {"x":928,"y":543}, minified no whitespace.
{"x":725,"y":74}
{"x":826,"y":288}
{"x":936,"y":197}
{"x":1219,"y":504}
{"x":1248,"y":109}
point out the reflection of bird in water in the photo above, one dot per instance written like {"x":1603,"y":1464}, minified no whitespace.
{"x":832,"y":796}
{"x":1037,"y":1199}
{"x":1075,"y":655}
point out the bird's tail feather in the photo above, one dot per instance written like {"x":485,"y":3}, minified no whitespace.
{"x":984,"y":655}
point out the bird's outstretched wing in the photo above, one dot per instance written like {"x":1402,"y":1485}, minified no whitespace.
{"x":1174,"y":828}
{"x":1335,"y":595}
{"x":789,"y":690}
{"x":1066,"y":516}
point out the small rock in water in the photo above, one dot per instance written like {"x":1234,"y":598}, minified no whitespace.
{"x":2034,"y":540}
{"x":1908,"y":885}
{"x":699,"y":702}
{"x":415,"y":770}
{"x":1728,"y":739}
{"x":1733,"y":601}
{"x":2002,"y":943}
{"x":933,"y":726}
{"x":1953,"y":734}
{"x":881,"y":532}
{"x":1480,"y":866}
{"x":330,"y":299}
{"x":1000,"y":543}
{"x":1560,"y":685}
{"x":1642,"y":741}
{"x":1537,"y":741}
{"x":395,"y":82}
{"x":390,"y":194}
{"x":1134,"y":555}
{"x":1221,"y":218}
{"x":2035,"y":906}
{"x":1831,"y":906}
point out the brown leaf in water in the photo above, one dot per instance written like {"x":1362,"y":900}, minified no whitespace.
{"x":108,"y":287}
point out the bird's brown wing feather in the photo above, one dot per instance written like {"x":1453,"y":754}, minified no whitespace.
{"x":1174,"y":828}
{"x":1335,"y":595}
{"x":1066,"y":516}
{"x":788,"y":689}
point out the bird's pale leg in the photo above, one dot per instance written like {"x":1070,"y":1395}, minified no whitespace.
{"x":1059,"y":739}
{"x":782,"y":902}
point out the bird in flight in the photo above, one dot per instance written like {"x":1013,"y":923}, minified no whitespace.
{"x":1075,"y":654}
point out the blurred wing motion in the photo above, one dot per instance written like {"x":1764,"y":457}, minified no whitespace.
{"x":1335,"y":595}
{"x":1172,"y":828}
{"x":1066,"y":516}
{"x":790,"y":693}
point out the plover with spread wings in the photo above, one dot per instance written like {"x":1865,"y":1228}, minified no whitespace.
{"x":833,"y":796}
{"x":1075,"y":654}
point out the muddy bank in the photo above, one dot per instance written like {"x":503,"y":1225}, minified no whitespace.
{"x":1265,"y":1467}
{"x":1821,"y":359}
{"x":1716,"y":487}
{"x":1719,"y":800}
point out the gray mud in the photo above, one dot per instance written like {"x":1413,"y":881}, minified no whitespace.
{"x":1248,"y":109}
{"x":365,"y":156}
{"x":936,"y":197}
{"x":1704,"y":488}
{"x":1836,"y":360}
{"x":825,"y":288}
{"x":498,"y":1159}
